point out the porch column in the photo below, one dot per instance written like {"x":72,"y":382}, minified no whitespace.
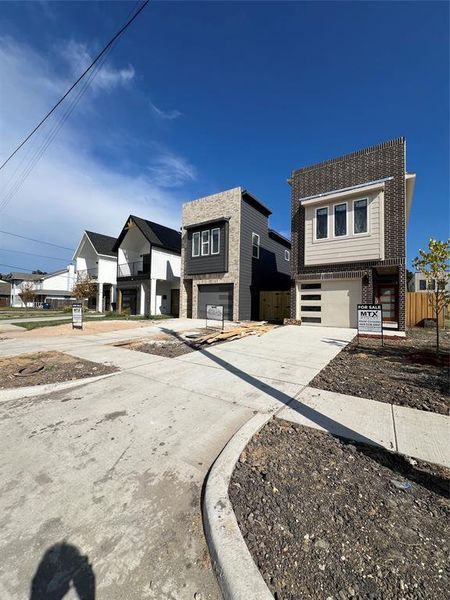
{"x":100,"y":297}
{"x":142,"y":299}
{"x":111,"y":295}
{"x":152,"y":306}
{"x":119,"y":300}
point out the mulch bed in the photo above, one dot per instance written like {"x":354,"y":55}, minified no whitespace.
{"x":405,"y":371}
{"x":46,"y":367}
{"x":325,"y":518}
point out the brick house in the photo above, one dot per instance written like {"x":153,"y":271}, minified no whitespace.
{"x":229,"y":255}
{"x":349,"y":217}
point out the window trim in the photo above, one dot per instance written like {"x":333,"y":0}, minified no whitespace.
{"x":327,"y":237}
{"x":194,"y":235}
{"x":346,"y":220}
{"x":207,"y":242}
{"x":257,"y":245}
{"x":218,"y":240}
{"x":367,"y":232}
{"x":287,"y":255}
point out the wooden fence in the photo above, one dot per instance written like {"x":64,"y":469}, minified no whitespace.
{"x":418,"y":308}
{"x":274,"y":306}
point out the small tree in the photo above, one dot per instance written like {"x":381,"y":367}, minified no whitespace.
{"x":27,"y":292}
{"x":84,"y":288}
{"x":434,"y":264}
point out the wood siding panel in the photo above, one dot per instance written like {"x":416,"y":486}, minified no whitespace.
{"x":350,"y":248}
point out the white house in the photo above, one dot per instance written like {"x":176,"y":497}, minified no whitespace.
{"x":148,"y":268}
{"x":54,"y":288}
{"x":421,"y":284}
{"x":95,"y":257}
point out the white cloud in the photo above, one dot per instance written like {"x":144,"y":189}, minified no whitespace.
{"x":70,"y":190}
{"x":168,"y":115}
{"x":107,"y":77}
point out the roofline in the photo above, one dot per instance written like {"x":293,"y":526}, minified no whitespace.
{"x":280,"y":238}
{"x":265,"y":208}
{"x":358,"y":186}
{"x":208,"y":222}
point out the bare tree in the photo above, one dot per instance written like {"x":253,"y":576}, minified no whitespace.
{"x":27,"y":292}
{"x":434,"y":264}
{"x":84,"y":288}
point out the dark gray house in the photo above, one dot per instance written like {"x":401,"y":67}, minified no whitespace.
{"x":349,"y":217}
{"x":229,"y":255}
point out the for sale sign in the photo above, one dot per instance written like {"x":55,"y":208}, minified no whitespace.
{"x":214,"y":312}
{"x":370,"y":318}
{"x":77,"y":316}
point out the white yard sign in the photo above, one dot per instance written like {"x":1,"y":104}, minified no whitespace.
{"x":77,"y":316}
{"x":214,"y":312}
{"x":370,"y":318}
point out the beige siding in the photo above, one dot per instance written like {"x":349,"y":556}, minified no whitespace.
{"x":352,"y":247}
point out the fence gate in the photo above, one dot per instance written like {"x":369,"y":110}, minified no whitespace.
{"x":274,"y":306}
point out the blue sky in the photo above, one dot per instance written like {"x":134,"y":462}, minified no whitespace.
{"x":199,"y":97}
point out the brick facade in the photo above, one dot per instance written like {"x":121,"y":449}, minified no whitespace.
{"x":357,"y":168}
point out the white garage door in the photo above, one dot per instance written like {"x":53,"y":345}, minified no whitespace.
{"x":331,"y":303}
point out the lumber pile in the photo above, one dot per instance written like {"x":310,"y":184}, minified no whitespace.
{"x":239,"y":331}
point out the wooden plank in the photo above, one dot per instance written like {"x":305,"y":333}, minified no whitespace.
{"x":418,"y":308}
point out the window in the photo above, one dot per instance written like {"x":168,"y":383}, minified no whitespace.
{"x":311,"y":319}
{"x":422,"y":285}
{"x":215,"y":241}
{"x":431,"y":285}
{"x":196,"y":244}
{"x":205,"y":243}
{"x":321,"y":223}
{"x":311,"y":286}
{"x":311,"y":297}
{"x":360,"y":216}
{"x":255,"y":245}
{"x":340,"y":220}
{"x":287,"y":255}
{"x":307,"y":308}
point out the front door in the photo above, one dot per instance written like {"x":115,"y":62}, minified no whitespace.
{"x":387,"y":297}
{"x":129,"y":300}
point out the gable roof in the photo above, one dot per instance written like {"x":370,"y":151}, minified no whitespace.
{"x":156,"y":234}
{"x":103,"y":244}
{"x":24,"y":276}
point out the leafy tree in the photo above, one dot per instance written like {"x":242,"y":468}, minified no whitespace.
{"x":27,"y":292}
{"x":434,"y":264}
{"x":84,"y":287}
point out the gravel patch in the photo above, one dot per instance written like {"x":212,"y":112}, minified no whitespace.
{"x":326,"y":518}
{"x":46,"y":367}
{"x":405,"y":371}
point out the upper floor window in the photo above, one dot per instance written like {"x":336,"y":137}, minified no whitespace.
{"x":287,"y":255}
{"x":340,"y":219}
{"x":215,"y":241}
{"x":321,"y":223}
{"x":255,"y":245}
{"x":196,"y":244}
{"x":360,"y":216}
{"x":205,"y":243}
{"x":422,"y":285}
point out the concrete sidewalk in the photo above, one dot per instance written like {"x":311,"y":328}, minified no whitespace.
{"x":416,"y":433}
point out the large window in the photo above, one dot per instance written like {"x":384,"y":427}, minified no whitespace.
{"x":205,"y":243}
{"x":321,"y":223}
{"x":360,"y":216}
{"x":340,"y":220}
{"x":255,"y":245}
{"x":196,"y":244}
{"x":215,"y":241}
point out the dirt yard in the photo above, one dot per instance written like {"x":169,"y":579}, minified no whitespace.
{"x":327,"y":519}
{"x":89,"y":327}
{"x":405,"y":371}
{"x":46,"y":367}
{"x":162,"y":345}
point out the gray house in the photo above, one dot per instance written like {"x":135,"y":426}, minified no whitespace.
{"x":229,"y":255}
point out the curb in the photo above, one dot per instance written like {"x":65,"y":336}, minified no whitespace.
{"x":238,"y":576}
{"x":29,"y":391}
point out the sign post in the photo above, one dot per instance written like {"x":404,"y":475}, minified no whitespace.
{"x":77,"y":316}
{"x":215,"y":312}
{"x":370,"y":319}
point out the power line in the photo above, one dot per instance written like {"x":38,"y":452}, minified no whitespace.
{"x":23,"y":237}
{"x":96,"y":59}
{"x":20,"y":268}
{"x":33,"y":254}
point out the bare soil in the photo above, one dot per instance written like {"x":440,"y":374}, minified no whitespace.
{"x":328,"y":519}
{"x":46,"y":367}
{"x":405,"y":371}
{"x":89,"y":327}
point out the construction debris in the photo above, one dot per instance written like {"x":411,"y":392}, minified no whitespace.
{"x":239,"y":331}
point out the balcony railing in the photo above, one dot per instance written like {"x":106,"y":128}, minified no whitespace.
{"x":133,"y":269}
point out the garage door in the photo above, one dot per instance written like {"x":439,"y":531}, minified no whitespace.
{"x":331,"y":303}
{"x":216,"y":294}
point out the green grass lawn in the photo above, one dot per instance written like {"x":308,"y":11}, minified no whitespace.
{"x":107,"y":317}
{"x":21,"y":313}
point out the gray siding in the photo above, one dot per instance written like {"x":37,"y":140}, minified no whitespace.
{"x":268,"y":272}
{"x":213,"y":263}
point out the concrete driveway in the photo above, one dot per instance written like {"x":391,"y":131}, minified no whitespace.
{"x":111,"y":472}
